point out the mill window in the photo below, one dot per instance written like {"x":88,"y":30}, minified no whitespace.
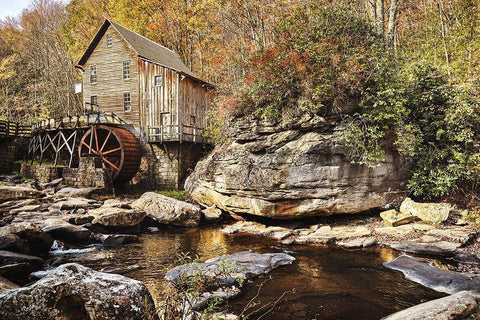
{"x":94,"y":101}
{"x":93,"y":74}
{"x":127,"y":102}
{"x":158,"y":80}
{"x":126,"y":70}
{"x":109,"y":40}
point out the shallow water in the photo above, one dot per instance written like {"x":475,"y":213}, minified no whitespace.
{"x":325,"y":282}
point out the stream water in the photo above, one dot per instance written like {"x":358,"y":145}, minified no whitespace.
{"x":325,"y":282}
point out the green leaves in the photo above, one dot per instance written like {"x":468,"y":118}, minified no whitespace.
{"x":429,"y":121}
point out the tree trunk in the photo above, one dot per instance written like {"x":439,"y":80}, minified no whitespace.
{"x":380,"y":22}
{"x":392,"y":18}
{"x":447,"y":60}
{"x":370,"y":10}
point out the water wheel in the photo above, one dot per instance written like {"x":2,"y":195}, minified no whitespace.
{"x":118,"y":149}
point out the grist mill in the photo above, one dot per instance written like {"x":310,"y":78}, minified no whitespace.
{"x":143,"y":119}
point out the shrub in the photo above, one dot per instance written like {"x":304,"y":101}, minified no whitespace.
{"x":426,"y":119}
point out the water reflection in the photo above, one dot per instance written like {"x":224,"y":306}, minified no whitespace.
{"x":325,"y":282}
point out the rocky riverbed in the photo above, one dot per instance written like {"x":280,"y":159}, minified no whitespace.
{"x":39,"y":220}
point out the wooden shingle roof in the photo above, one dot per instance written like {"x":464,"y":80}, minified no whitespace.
{"x":145,"y":48}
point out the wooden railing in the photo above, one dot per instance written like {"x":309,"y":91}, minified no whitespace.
{"x":174,"y":132}
{"x":79,"y":121}
{"x":12,"y":129}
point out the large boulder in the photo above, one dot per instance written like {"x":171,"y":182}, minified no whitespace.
{"x":29,"y":238}
{"x":72,"y":291}
{"x":301,"y":170}
{"x":6,"y":284}
{"x":116,"y":217}
{"x":60,"y":229}
{"x":435,"y":213}
{"x":18,"y":192}
{"x":166,"y":210}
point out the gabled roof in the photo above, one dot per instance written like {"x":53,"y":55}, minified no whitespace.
{"x":145,"y":48}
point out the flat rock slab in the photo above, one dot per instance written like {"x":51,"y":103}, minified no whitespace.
{"x":29,"y":208}
{"x":440,"y":280}
{"x":74,"y":290}
{"x":256,"y":228}
{"x":69,"y":192}
{"x":357,"y":243}
{"x":116,"y":239}
{"x":73,"y":203}
{"x":327,"y":234}
{"x":243,"y":265}
{"x":116,"y":203}
{"x":393,"y":218}
{"x":18,"y":192}
{"x":460,"y":305}
{"x":457,"y":234}
{"x":439,"y":248}
{"x":14,"y":204}
{"x":8,"y":257}
{"x":404,"y":230}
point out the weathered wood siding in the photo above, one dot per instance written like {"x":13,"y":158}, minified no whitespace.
{"x":174,"y":102}
{"x":158,"y":104}
{"x":110,"y":85}
{"x":194,"y":100}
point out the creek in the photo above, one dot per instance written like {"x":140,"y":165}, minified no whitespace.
{"x":325,"y":282}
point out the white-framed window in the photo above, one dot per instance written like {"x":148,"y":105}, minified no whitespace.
{"x":158,"y":80}
{"x":109,"y":40}
{"x":93,"y":74}
{"x":127,"y":102}
{"x":94,"y":101}
{"x":126,"y":70}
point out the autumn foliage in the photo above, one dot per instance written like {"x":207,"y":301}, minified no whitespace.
{"x":319,"y":60}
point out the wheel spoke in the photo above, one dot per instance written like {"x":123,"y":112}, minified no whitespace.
{"x":113,"y":150}
{"x":105,"y":142}
{"x":89,"y":149}
{"x":96,"y":137}
{"x":111,"y":164}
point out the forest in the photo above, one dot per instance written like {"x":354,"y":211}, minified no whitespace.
{"x":413,"y":68}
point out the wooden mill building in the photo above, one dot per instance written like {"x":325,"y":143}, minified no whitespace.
{"x":149,"y":87}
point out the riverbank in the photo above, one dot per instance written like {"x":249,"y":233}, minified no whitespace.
{"x":338,"y":270}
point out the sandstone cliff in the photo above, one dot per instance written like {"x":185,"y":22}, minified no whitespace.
{"x":291,"y":171}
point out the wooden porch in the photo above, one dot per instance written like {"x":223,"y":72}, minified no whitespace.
{"x":176,"y":133}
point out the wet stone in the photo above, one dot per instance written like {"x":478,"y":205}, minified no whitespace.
{"x":357,"y":243}
{"x":460,"y":305}
{"x":441,"y":280}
